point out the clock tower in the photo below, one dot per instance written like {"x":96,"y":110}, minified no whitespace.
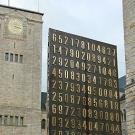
{"x":20,"y":71}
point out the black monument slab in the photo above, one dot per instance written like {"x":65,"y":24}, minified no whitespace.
{"x":82,"y":86}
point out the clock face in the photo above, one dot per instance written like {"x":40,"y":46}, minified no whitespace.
{"x":15,"y":26}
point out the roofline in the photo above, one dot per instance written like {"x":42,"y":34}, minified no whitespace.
{"x":25,"y":10}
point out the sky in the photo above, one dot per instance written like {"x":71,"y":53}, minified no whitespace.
{"x":100,"y":20}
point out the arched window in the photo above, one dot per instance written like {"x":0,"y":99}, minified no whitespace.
{"x":124,"y":114}
{"x":43,"y":124}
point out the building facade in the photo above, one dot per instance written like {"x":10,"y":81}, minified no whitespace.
{"x":129,"y":36}
{"x":20,"y":71}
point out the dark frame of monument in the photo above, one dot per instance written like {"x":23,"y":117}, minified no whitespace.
{"x":82,"y":86}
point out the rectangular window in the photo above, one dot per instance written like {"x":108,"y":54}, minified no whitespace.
{"x":5,"y":120}
{"x":11,"y":120}
{"x":16,"y":57}
{"x":21,"y":121}
{"x":21,"y":59}
{"x":6,"y":56}
{"x":16,"y":120}
{"x":11,"y":57}
{"x":0,"y":119}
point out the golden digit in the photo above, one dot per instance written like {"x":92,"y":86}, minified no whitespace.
{"x":54,"y":121}
{"x":77,"y":54}
{"x":54,"y":109}
{"x":96,"y":126}
{"x":108,"y":51}
{"x":88,"y":45}
{"x":84,"y":113}
{"x":60,"y":61}
{"x":72,"y":99}
{"x":78,"y":99}
{"x":95,"y":114}
{"x":60,"y":107}
{"x":66,"y":98}
{"x":83,"y":77}
{"x":66,"y":51}
{"x":93,"y":47}
{"x":104,"y":60}
{"x":77,"y":44}
{"x":111,"y":116}
{"x":66,"y":74}
{"x":103,"y":50}
{"x":54,"y":49}
{"x":101,"y":115}
{"x":72,"y":87}
{"x":82,"y":44}
{"x":100,"y":103}
{"x":60,"y":133}
{"x":66,"y":86}
{"x":106,"y":116}
{"x":83,"y":89}
{"x":90,"y":126}
{"x":54,"y":72}
{"x":83,"y":66}
{"x":84,"y":100}
{"x":90,"y":113}
{"x":84,"y":125}
{"x":71,"y":53}
{"x":99,"y":59}
{"x":105,"y":93}
{"x":78,"y":124}
{"x":54,"y":60}
{"x":72,"y":41}
{"x":83,"y":55}
{"x":60,"y":97}
{"x":66,"y":123}
{"x":54,"y":96}
{"x":60,"y":50}
{"x":66,"y":63}
{"x":54,"y":37}
{"x":88,"y":57}
{"x":60,"y":73}
{"x":54,"y":84}
{"x":66,"y":110}
{"x":72,"y":64}
{"x":60,"y":85}
{"x":98,"y":48}
{"x":106,"y":104}
{"x":72,"y":111}
{"x":77,"y":65}
{"x":95,"y":102}
{"x":60,"y":123}
{"x":72,"y":75}
{"x":78,"y":88}
{"x":93,"y":58}
{"x":89,"y":101}
{"x":60,"y":39}
{"x":89,"y":90}
{"x":78,"y":76}
{"x":66,"y":40}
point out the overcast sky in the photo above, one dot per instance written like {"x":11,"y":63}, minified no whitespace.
{"x":96,"y":19}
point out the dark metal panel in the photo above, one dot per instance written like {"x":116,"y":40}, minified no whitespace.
{"x":83,"y":86}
